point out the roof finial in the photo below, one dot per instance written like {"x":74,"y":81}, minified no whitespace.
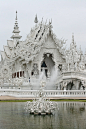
{"x":50,"y":24}
{"x":46,"y":21}
{"x":42,"y":19}
{"x":73,"y":38}
{"x":51,"y":20}
{"x":80,"y":47}
{"x":16,"y":15}
{"x":36,"y":19}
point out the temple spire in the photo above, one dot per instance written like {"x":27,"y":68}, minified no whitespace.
{"x":36,"y":19}
{"x":16,"y":31}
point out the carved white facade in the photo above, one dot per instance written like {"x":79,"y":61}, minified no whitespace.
{"x":22,"y":62}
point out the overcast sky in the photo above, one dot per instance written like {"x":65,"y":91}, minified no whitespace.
{"x":68,"y":16}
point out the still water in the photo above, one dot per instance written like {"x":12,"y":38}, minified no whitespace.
{"x":71,"y":115}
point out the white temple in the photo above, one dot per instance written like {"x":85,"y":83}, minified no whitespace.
{"x":23,"y":62}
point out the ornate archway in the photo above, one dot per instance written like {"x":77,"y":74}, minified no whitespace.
{"x":47,"y":64}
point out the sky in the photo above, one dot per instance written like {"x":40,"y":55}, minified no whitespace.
{"x":68,"y":16}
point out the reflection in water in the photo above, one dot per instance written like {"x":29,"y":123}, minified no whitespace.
{"x":71,"y":115}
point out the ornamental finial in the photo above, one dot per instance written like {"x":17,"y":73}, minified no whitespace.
{"x":50,"y":22}
{"x":16,"y":15}
{"x":36,"y":19}
{"x":73,"y":38}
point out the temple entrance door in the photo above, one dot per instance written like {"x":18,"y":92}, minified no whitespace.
{"x":47,"y":64}
{"x":44,"y":68}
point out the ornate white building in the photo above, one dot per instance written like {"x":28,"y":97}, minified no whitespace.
{"x":23,"y":62}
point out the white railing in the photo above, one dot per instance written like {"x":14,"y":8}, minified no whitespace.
{"x":48,"y":93}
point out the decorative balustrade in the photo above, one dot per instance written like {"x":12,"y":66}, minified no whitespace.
{"x":48,"y":93}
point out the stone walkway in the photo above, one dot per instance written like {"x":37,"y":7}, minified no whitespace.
{"x":12,"y":98}
{"x":27,"y":98}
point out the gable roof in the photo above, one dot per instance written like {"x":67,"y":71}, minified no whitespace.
{"x":31,"y":47}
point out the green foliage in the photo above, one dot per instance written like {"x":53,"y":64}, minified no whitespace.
{"x":14,"y":100}
{"x":73,"y":100}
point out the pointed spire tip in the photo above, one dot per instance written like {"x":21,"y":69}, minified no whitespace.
{"x":16,"y":15}
{"x":72,"y":37}
{"x":36,"y":19}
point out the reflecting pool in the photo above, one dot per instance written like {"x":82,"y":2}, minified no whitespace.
{"x":71,"y":115}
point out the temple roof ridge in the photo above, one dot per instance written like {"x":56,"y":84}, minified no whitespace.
{"x":3,"y":55}
{"x":7,"y":50}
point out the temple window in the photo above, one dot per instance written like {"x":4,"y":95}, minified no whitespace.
{"x":20,"y":73}
{"x":14,"y":75}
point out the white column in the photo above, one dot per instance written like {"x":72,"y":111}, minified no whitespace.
{"x":19,"y":74}
{"x":16,"y":74}
{"x":77,"y":85}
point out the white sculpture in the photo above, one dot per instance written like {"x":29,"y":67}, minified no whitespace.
{"x":41,"y":105}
